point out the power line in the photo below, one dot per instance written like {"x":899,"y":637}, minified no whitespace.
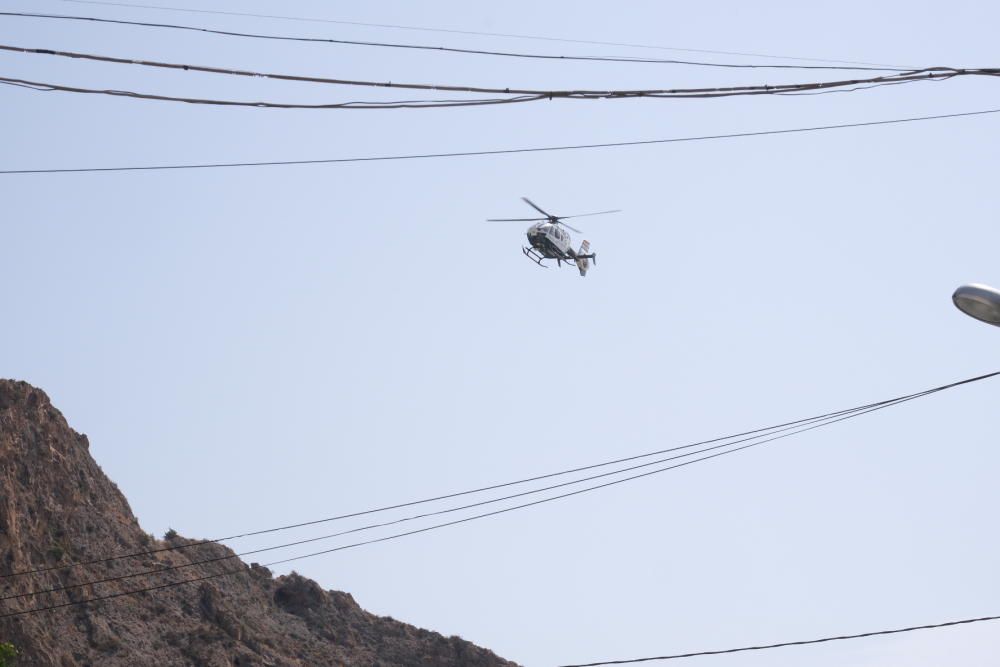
{"x":414,"y":104}
{"x":468,"y":32}
{"x":856,"y":411}
{"x":759,"y":432}
{"x":912,"y":628}
{"x":120,"y":594}
{"x":527,"y":94}
{"x":507,"y":151}
{"x":406,"y":104}
{"x":443,"y":49}
{"x":353,"y":545}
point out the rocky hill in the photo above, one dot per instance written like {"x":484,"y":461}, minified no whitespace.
{"x":58,"y":507}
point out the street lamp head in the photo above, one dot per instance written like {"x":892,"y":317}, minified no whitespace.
{"x":979,"y":301}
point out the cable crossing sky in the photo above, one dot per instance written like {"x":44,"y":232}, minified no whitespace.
{"x":511,"y":94}
{"x":759,"y":432}
{"x":445,"y":49}
{"x":801,"y":642}
{"x":506,"y":151}
{"x":307,"y":19}
{"x":758,"y":437}
{"x":730,"y":444}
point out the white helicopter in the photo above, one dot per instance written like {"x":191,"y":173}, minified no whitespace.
{"x":549,"y":241}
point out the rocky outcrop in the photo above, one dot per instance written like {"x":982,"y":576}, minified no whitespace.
{"x":57,"y":507}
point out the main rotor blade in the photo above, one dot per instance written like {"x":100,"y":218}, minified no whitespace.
{"x":568,"y":227}
{"x":537,"y":208}
{"x":584,"y":215}
{"x":514,"y":219}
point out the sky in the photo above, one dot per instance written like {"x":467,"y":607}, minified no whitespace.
{"x":255,"y":347}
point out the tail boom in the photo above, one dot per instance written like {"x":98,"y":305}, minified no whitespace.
{"x":583,"y":258}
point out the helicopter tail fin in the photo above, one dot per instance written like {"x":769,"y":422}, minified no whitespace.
{"x":583,"y":258}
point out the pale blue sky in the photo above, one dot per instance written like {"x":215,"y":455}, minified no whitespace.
{"x":254,"y":347}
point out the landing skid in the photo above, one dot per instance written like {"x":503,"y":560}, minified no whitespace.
{"x":537,"y":258}
{"x":534,"y":256}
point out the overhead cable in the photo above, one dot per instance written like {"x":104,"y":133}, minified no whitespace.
{"x":520,"y":94}
{"x":139,"y":591}
{"x":410,"y":104}
{"x":759,"y":431}
{"x":756,"y":432}
{"x":876,"y":406}
{"x":506,"y":151}
{"x":463,"y":32}
{"x":445,"y":49}
{"x":755,"y":441}
{"x":803,"y":642}
{"x":216,"y":559}
{"x":365,"y":104}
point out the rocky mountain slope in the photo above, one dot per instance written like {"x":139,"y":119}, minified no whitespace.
{"x":58,"y":507}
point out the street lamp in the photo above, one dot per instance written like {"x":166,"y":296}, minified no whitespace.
{"x":979,"y":301}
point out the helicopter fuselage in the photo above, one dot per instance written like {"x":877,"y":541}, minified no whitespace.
{"x":551,"y":241}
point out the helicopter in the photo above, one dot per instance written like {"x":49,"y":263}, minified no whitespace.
{"x":549,"y":241}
